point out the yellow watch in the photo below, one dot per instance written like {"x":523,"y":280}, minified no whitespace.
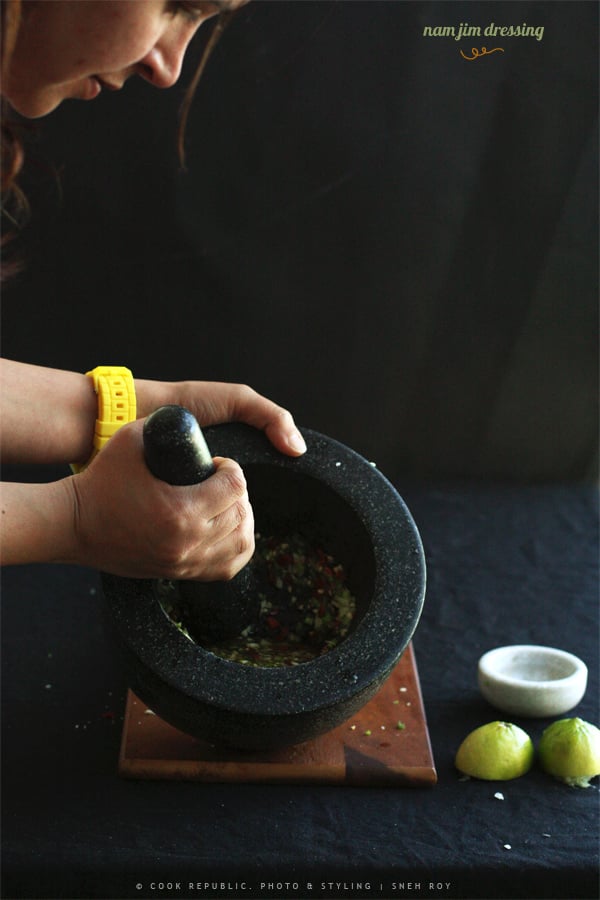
{"x":116,"y":405}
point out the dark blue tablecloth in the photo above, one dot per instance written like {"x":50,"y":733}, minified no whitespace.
{"x":506,"y":564}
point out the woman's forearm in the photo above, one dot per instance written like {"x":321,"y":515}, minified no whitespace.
{"x":46,"y":415}
{"x":38,"y":523}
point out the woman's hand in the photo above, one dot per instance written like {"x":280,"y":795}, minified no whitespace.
{"x":128,"y":522}
{"x":48,"y":415}
{"x":214,"y":403}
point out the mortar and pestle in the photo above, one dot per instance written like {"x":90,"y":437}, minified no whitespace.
{"x":330,"y":494}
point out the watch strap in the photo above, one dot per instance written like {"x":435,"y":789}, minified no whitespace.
{"x":115,"y":388}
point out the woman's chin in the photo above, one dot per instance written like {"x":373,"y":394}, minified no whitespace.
{"x":36,"y":104}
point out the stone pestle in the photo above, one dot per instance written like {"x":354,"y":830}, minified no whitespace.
{"x":176,"y":452}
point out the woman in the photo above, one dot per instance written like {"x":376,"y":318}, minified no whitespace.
{"x":113,"y":515}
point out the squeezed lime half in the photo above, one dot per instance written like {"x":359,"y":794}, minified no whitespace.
{"x":570,"y":750}
{"x":497,"y":751}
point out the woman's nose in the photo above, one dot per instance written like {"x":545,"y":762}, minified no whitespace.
{"x":162,"y":64}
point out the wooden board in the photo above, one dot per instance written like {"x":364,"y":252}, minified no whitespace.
{"x":370,"y":749}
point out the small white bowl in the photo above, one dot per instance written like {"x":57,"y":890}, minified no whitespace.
{"x":529,"y":680}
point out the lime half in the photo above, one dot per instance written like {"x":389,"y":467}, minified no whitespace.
{"x":497,"y":751}
{"x":570,"y":750}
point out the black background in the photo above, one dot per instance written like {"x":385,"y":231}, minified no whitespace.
{"x":401,"y":246}
{"x":395,"y":242}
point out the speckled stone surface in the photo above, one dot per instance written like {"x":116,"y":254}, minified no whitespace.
{"x":333,"y":495}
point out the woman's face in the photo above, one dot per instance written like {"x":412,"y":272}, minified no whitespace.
{"x":72,"y":49}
